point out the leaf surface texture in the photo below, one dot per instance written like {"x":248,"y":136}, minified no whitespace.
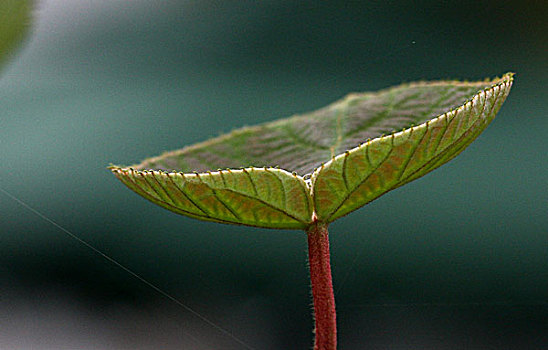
{"x":264,"y":197}
{"x":361,"y":174}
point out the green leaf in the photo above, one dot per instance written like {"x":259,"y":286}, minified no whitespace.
{"x":265,"y":197}
{"x":427,"y":124}
{"x":363,"y":173}
{"x":14,"y":23}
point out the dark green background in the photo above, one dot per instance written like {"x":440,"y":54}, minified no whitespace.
{"x":455,"y":260}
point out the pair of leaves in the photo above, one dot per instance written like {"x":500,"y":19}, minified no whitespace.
{"x":340,"y":150}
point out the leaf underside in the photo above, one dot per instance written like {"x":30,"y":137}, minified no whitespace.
{"x":341,"y":147}
{"x":271,"y":198}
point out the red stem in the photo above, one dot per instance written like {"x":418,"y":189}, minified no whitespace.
{"x":322,"y":287}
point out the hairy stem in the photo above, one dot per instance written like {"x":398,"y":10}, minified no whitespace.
{"x":322,"y":287}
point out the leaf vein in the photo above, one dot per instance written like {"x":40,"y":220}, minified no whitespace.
{"x":252,"y":183}
{"x":349,"y":193}
{"x":145,"y":194}
{"x":282,"y":186}
{"x":410,"y":157}
{"x":266,"y":204}
{"x":185,"y":194}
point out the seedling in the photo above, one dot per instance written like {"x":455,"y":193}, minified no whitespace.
{"x":309,"y":170}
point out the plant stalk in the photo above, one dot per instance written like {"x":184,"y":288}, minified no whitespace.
{"x":322,"y":287}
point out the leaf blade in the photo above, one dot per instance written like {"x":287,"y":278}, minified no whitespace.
{"x":270,"y":198}
{"x":389,"y":162}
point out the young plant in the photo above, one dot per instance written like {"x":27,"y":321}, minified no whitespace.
{"x":309,"y":170}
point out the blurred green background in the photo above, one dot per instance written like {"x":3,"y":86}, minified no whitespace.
{"x":455,"y":260}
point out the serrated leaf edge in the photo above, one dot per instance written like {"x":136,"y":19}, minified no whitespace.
{"x":119,"y":171}
{"x":212,"y":141}
{"x":507,"y":79}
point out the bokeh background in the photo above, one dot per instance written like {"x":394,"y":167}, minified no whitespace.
{"x":455,"y":260}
